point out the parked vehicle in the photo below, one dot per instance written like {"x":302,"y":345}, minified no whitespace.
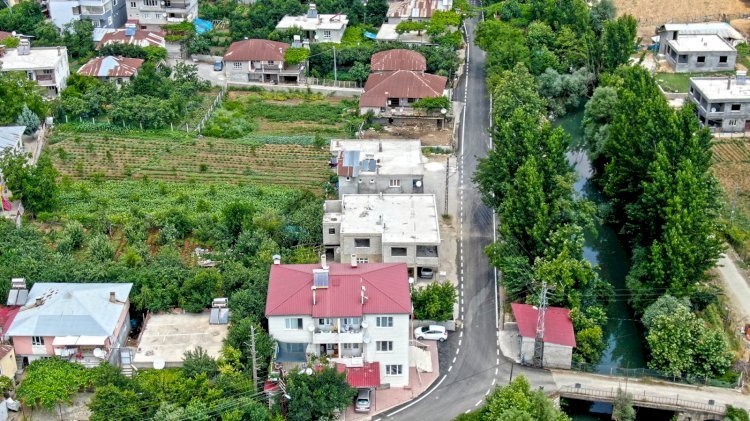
{"x":218,"y":65}
{"x":363,"y":401}
{"x":433,"y":332}
{"x":426,"y":273}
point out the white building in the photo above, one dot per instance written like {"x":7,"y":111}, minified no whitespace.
{"x":358,"y":315}
{"x":390,"y":228}
{"x":102,"y":13}
{"x":378,"y":166}
{"x":151,"y":14}
{"x":48,"y":66}
{"x":316,"y":27}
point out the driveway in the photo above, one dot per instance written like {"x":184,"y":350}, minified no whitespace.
{"x":735,"y":286}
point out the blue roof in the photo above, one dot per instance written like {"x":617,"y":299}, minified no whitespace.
{"x":351,"y":159}
{"x":370,"y":35}
{"x":202,"y":25}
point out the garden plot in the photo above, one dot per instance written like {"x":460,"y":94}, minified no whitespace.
{"x":731,"y":166}
{"x":96,"y":156}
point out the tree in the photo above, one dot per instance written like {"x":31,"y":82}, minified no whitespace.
{"x":22,"y":17}
{"x":296,"y":55}
{"x":198,"y":291}
{"x":664,"y":306}
{"x":78,"y":38}
{"x":359,"y":72}
{"x":110,"y":402}
{"x":317,"y":396}
{"x":736,"y":414}
{"x":24,"y":92}
{"x":375,"y":12}
{"x":410,"y":26}
{"x":618,"y":41}
{"x":34,"y":185}
{"x":239,"y":337}
{"x":198,"y":362}
{"x":28,"y":119}
{"x":622,"y":407}
{"x":50,"y":382}
{"x":596,"y":120}
{"x":434,"y":302}
{"x":517,"y":401}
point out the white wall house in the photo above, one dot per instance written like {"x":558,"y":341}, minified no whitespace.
{"x":357,"y":315}
{"x":48,"y":66}
{"x":316,"y":27}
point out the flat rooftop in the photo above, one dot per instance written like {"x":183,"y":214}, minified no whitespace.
{"x":39,"y":58}
{"x":334,"y":22}
{"x":388,"y":32}
{"x":700,"y":43}
{"x":167,"y":336}
{"x":399,"y":218}
{"x":396,"y":156}
{"x":721,"y":88}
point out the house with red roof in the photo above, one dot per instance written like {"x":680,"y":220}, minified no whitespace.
{"x":261,"y":60}
{"x":559,"y":337}
{"x":357,"y":315}
{"x":397,"y":81}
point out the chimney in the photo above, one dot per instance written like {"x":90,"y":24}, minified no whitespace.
{"x":729,"y":83}
{"x":276,"y":259}
{"x":380,"y":146}
{"x":323,"y":262}
{"x":313,"y":293}
{"x":24,"y":47}
{"x":58,"y":51}
{"x":362,"y":294}
{"x":38,"y":301}
{"x":112,"y":298}
{"x":354,"y":260}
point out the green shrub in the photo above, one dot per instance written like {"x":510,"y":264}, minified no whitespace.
{"x":229,"y":124}
{"x":434,"y":302}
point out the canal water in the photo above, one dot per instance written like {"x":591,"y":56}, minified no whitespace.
{"x":603,"y":249}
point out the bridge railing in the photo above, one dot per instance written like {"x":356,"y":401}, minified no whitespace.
{"x":610,"y":395}
{"x":639,"y":373}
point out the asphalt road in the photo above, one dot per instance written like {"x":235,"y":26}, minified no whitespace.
{"x":470,"y":360}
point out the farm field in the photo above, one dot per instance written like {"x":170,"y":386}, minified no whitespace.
{"x":652,"y":13}
{"x":205,"y":160}
{"x":731,"y":166}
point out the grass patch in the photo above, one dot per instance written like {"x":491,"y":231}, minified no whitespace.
{"x":680,"y":82}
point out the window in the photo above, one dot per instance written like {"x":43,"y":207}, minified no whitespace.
{"x":363,"y":260}
{"x":682,"y":58}
{"x":732,"y":122}
{"x":237,"y":64}
{"x":294,"y":323}
{"x":393,"y":369}
{"x":350,"y":346}
{"x":325,"y":321}
{"x":37,"y":341}
{"x":362,"y":242}
{"x":736,"y":107}
{"x":271,"y":62}
{"x":723,"y":59}
{"x":158,"y":15}
{"x":47,"y":71}
{"x":150,"y":2}
{"x":332,"y":231}
{"x":384,"y":321}
{"x":353,"y":321}
{"x":327,"y":34}
{"x":168,"y":3}
{"x":384,"y":346}
{"x":394,"y":183}
{"x":372,"y":181}
{"x":132,"y":4}
{"x":292,"y":347}
{"x":398,"y":251}
{"x":701,"y":59}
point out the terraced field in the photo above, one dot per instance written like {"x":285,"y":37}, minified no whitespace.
{"x":99,"y":155}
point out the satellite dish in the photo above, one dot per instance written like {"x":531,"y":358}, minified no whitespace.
{"x":411,"y":280}
{"x":308,"y":371}
{"x":99,"y":353}
{"x":159,"y":363}
{"x":443,"y":111}
{"x":364,"y":324}
{"x":311,"y":327}
{"x":366,"y":339}
{"x":418,"y":183}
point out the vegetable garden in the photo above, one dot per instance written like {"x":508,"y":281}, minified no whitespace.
{"x":205,"y":160}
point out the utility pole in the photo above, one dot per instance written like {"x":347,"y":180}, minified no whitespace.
{"x":252,"y":351}
{"x":734,"y":204}
{"x":335,"y":74}
{"x":539,"y":339}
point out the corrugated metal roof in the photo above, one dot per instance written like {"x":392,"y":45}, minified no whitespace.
{"x":68,"y":309}
{"x":386,"y":288}
{"x":10,"y":136}
{"x":349,"y":163}
{"x":256,"y":49}
{"x":401,"y":84}
{"x":111,"y":66}
{"x":558,"y":328}
{"x":721,"y":29}
{"x":138,"y":37}
{"x":366,"y":376}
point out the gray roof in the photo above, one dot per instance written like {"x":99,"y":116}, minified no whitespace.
{"x":10,"y":136}
{"x":68,"y":309}
{"x":721,"y":29}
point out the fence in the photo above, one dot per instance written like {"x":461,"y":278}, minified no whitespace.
{"x":643,"y":373}
{"x":663,"y":401}
{"x":211,"y":109}
{"x":333,"y":83}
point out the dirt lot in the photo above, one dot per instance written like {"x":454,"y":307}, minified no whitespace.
{"x":652,"y":13}
{"x":428,"y":136}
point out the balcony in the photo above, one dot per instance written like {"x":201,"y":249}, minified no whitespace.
{"x":45,"y":79}
{"x":350,"y":361}
{"x":330,"y":337}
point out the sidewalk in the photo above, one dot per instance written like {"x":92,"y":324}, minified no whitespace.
{"x":389,"y":398}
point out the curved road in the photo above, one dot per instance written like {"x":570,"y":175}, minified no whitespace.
{"x":470,"y":361}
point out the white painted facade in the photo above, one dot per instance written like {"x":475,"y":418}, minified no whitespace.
{"x":555,"y":356}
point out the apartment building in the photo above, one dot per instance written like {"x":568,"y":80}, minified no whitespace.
{"x":151,"y":14}
{"x":722,"y":103}
{"x":356,"y":315}
{"x":102,"y":13}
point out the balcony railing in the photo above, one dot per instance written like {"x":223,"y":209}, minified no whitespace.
{"x":330,"y":337}
{"x":45,"y":79}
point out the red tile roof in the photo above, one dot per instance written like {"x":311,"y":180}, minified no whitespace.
{"x":7,"y":314}
{"x":386,"y":288}
{"x":5,"y":350}
{"x":558,"y":328}
{"x":256,"y":49}
{"x":398,"y":59}
{"x":141,"y":38}
{"x":367,"y":376}
{"x":111,"y":66}
{"x":401,"y":84}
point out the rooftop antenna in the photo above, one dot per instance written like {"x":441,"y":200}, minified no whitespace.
{"x":539,"y":339}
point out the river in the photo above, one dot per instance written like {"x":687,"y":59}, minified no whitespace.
{"x":603,"y":249}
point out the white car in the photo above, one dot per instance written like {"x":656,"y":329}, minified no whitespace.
{"x":434,"y":332}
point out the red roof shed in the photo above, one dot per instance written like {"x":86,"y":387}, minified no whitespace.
{"x":558,"y":328}
{"x":367,"y":376}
